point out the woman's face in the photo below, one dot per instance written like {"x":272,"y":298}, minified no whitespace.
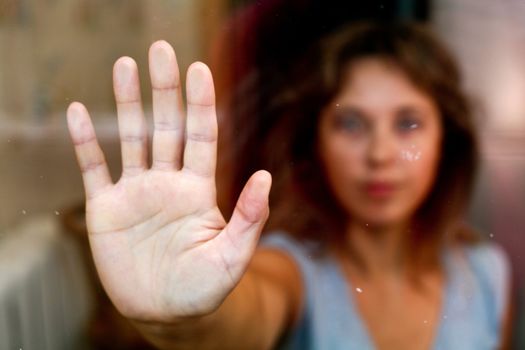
{"x":379,"y":142}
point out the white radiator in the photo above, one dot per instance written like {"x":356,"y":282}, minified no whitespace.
{"x":45,"y":298}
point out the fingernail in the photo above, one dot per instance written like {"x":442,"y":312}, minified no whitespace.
{"x":197,"y":84}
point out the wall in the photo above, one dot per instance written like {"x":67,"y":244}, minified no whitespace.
{"x":56,"y":51}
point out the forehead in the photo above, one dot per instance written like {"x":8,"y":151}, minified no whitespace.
{"x":376,"y":84}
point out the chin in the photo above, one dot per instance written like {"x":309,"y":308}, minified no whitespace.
{"x":383,"y":218}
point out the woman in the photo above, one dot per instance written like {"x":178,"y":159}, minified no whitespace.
{"x":373,"y":157}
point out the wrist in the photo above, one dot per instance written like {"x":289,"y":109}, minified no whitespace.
{"x":180,"y":333}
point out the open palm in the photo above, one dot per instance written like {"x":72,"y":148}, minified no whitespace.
{"x":160,"y":244}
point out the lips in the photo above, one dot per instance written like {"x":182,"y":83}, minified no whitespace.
{"x":380,"y":189}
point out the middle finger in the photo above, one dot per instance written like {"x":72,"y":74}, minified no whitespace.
{"x":168,"y":110}
{"x":131,"y":121}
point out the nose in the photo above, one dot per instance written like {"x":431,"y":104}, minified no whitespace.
{"x":381,"y":148}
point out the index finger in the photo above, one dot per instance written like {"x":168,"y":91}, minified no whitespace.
{"x":93,"y":166}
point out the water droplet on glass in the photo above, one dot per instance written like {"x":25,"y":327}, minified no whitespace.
{"x":410,"y":156}
{"x":359,"y":290}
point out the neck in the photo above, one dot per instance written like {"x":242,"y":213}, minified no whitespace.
{"x":381,"y":249}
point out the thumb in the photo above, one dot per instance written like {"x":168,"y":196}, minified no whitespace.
{"x":250,"y":214}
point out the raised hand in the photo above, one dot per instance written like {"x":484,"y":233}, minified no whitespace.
{"x":162,"y":248}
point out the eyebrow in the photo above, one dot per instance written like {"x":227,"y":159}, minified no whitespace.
{"x":346,"y":109}
{"x":422,"y":111}
{"x":409,"y":109}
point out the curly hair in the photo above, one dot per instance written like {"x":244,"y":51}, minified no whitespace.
{"x":281,"y":134}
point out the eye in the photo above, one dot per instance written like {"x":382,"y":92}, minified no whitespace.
{"x":408,"y":124}
{"x":350,"y":121}
{"x":408,"y":120}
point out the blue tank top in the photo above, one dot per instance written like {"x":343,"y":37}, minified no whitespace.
{"x":476,"y":295}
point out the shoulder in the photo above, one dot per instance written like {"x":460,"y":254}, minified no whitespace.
{"x":276,"y":261}
{"x":284,"y":241}
{"x":291,"y":256}
{"x":477,"y":296}
{"x":491,"y":268}
{"x":322,"y":311}
{"x":276,"y":254}
{"x":306,"y":262}
{"x":303,"y":251}
{"x":490,"y":260}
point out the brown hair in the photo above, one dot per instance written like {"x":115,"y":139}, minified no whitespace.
{"x":281,"y":136}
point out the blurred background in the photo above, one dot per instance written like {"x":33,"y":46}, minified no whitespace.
{"x":53,"y":52}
